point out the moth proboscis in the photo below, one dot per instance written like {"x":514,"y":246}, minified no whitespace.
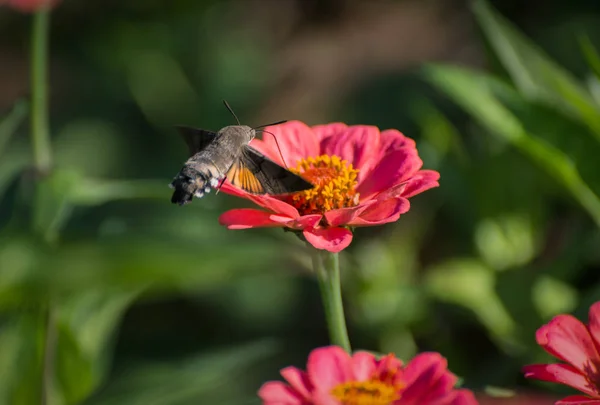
{"x":227,"y":154}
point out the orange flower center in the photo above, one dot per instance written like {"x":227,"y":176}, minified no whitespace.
{"x":371,"y":392}
{"x":334,"y":180}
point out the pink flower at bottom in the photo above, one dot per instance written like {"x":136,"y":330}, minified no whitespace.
{"x":333,"y":377}
{"x":578,"y":345}
{"x":28,"y":6}
{"x":362,"y":177}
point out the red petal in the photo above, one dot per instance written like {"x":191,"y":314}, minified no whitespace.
{"x":382,"y":212}
{"x":423,"y":180}
{"x":357,"y":145}
{"x":327,"y":130}
{"x":266,"y":201}
{"x":299,"y":381}
{"x":331,"y":239}
{"x":295,"y":139}
{"x":561,"y":374}
{"x":328,"y":367}
{"x":343,"y":216}
{"x":278,"y":393}
{"x":578,"y":400}
{"x":395,"y":168}
{"x":566,"y":338}
{"x":245,"y":218}
{"x":305,"y":221}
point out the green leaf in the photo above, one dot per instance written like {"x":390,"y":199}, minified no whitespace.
{"x":10,"y":123}
{"x":65,"y":188}
{"x":477,"y":94}
{"x":86,"y":323}
{"x":591,"y":54}
{"x":21,"y":354}
{"x":206,"y":378}
{"x":12,"y":165}
{"x":470,"y":283}
{"x":97,"y":191}
{"x":53,"y":207}
{"x":534,"y":74}
{"x":499,"y":392}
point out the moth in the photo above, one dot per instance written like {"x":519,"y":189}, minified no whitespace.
{"x":226,"y":154}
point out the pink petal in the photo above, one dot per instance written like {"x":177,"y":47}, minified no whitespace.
{"x":427,"y":377}
{"x":364,"y":365}
{"x":343,"y":216}
{"x":382,"y":212}
{"x":331,"y":239}
{"x":594,"y":323}
{"x":392,"y":139}
{"x":578,"y":400}
{"x":329,"y":366}
{"x":266,"y":149}
{"x":29,"y":6}
{"x":395,"y":168}
{"x":299,"y":381}
{"x":463,"y":397}
{"x":278,"y":393}
{"x":387,"y":364}
{"x":296,"y":141}
{"x":561,"y":374}
{"x":566,"y":338}
{"x":423,"y":180}
{"x":357,"y":144}
{"x":327,"y":130}
{"x":324,"y":398}
{"x":245,"y":218}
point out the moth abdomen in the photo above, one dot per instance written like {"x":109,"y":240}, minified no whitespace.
{"x":190,"y":183}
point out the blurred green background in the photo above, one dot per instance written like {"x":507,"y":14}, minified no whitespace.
{"x":156,"y":304}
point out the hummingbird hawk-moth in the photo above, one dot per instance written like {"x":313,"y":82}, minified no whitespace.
{"x":226,"y":154}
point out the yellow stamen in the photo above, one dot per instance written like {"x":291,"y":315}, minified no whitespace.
{"x":334,"y":180}
{"x":372,"y":392}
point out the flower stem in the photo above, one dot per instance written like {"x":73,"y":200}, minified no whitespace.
{"x":327,"y":268}
{"x":40,"y":135}
{"x":49,"y":352}
{"x":42,"y":160}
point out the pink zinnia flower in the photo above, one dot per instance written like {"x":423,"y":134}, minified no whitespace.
{"x":362,"y":177}
{"x":569,"y":340}
{"x":28,"y":6}
{"x":333,"y":377}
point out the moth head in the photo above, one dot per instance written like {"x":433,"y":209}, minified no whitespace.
{"x":241,"y":132}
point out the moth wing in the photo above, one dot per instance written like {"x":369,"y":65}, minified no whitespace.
{"x":257,"y":174}
{"x":196,"y":139}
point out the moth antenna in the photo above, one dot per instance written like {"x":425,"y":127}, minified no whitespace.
{"x":231,"y":111}
{"x":268,"y":125}
{"x":277,"y":143}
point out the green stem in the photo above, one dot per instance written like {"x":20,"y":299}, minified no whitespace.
{"x":42,"y":159}
{"x":40,"y":134}
{"x":327,"y":268}
{"x":49,"y":352}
